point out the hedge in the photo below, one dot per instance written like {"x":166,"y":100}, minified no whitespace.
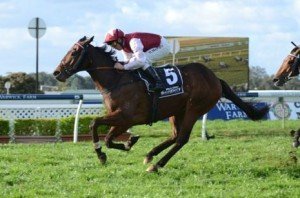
{"x":4,"y":127}
{"x":35,"y":127}
{"x":67,"y":125}
{"x":50,"y":127}
{"x":47,"y":126}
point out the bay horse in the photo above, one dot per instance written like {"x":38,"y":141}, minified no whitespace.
{"x":284,"y":71}
{"x":282,"y":76}
{"x":128,"y":103}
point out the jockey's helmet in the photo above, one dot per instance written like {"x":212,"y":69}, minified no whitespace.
{"x":113,"y":35}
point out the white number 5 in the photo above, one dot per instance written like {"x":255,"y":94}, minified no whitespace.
{"x":171,"y":76}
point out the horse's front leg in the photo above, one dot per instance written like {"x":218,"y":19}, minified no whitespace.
{"x":109,"y":120}
{"x":120,"y":126}
{"x":96,"y":141}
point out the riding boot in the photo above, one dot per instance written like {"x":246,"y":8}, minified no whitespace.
{"x":295,"y":68}
{"x":158,"y":83}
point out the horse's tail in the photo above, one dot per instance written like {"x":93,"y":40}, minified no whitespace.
{"x":252,"y":112}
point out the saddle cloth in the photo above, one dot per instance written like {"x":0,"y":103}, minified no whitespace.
{"x":171,"y":78}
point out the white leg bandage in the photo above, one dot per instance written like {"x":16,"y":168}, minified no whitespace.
{"x":97,"y":145}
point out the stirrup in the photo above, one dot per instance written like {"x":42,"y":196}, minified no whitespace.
{"x":156,"y":87}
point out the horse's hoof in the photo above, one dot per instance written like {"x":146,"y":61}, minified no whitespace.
{"x":133,"y":140}
{"x":152,"y":169}
{"x":102,"y":158}
{"x":127,"y":147}
{"x":296,"y":144}
{"x":148,"y":159}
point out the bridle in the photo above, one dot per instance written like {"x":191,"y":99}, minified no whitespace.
{"x":74,"y":68}
{"x":83,"y":54}
{"x":283,"y":74}
{"x":296,"y":62}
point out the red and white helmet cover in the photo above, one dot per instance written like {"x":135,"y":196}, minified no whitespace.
{"x":113,"y":35}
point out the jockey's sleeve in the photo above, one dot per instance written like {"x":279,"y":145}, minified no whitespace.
{"x":138,"y":58}
{"x":127,"y":56}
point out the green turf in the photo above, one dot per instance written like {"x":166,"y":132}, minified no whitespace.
{"x":246,"y":159}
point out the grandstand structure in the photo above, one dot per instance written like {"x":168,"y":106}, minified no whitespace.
{"x":226,"y":56}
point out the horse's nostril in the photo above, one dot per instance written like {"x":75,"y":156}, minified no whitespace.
{"x":56,"y":73}
{"x":275,"y":79}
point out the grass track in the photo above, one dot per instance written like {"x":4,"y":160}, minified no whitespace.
{"x":247,"y":159}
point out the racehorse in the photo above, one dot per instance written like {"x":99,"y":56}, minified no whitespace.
{"x":128,"y":103}
{"x":284,"y":71}
{"x":282,"y":76}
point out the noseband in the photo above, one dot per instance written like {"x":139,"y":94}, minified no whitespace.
{"x":75,"y":68}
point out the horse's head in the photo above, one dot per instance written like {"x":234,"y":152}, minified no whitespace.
{"x":282,"y":75}
{"x":74,"y":61}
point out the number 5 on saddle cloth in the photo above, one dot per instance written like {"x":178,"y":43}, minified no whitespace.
{"x":170,"y":77}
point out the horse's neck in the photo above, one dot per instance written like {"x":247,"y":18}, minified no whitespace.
{"x":105,"y":80}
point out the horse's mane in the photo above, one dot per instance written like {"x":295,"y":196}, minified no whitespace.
{"x":110,"y":54}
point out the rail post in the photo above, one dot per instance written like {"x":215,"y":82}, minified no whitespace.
{"x":75,"y":136}
{"x":204,"y":133}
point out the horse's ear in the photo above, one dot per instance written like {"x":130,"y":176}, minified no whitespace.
{"x":82,"y":39}
{"x":294,"y":44}
{"x":90,"y":39}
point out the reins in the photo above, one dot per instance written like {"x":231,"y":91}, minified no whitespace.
{"x":104,"y":68}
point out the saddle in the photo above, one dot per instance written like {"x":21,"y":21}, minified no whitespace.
{"x":170,"y":76}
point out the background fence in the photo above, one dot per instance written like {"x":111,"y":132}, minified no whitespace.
{"x":283,"y":105}
{"x":18,"y":106}
{"x":35,"y":106}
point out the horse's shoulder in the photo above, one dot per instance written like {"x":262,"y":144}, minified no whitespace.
{"x":131,"y":75}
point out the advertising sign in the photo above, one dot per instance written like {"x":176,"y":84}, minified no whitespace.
{"x":229,"y":111}
{"x":227,"y":57}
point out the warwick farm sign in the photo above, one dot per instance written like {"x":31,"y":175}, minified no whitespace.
{"x":228,"y":111}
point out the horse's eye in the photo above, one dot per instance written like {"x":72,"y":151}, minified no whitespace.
{"x":292,"y":60}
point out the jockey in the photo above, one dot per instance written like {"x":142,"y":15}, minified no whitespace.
{"x":139,"y":50}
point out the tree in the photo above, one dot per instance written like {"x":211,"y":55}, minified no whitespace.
{"x":89,"y":83}
{"x":21,"y":83}
{"x":74,"y":82}
{"x":259,"y":79}
{"x":45,"y":79}
{"x":256,"y":77}
{"x":2,"y":82}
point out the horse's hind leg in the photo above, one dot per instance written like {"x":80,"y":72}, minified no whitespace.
{"x":296,"y":138}
{"x":115,"y":131}
{"x":183,"y":137}
{"x":175,"y":122}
